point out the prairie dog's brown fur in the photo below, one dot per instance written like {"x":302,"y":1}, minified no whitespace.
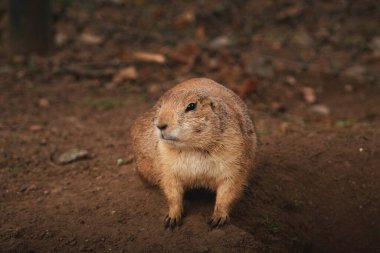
{"x":210,"y":144}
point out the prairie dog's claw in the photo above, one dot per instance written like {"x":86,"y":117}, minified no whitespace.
{"x":172,"y":222}
{"x":217,"y":222}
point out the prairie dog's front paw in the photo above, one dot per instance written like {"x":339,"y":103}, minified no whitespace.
{"x":218,"y":221}
{"x":172,"y":221}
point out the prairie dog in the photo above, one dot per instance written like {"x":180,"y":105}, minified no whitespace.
{"x":198,"y":134}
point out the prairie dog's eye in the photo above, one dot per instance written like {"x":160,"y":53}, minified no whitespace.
{"x":190,"y":107}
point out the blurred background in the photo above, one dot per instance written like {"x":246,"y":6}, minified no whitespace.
{"x":75,"y":74}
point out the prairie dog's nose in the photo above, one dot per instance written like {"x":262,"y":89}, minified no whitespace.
{"x":162,"y":126}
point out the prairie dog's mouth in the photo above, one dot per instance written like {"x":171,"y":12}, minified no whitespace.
{"x":168,"y":137}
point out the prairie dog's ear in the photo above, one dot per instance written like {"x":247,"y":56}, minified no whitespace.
{"x":208,"y":101}
{"x":218,"y":108}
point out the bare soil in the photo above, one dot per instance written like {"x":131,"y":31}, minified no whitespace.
{"x":316,"y":186}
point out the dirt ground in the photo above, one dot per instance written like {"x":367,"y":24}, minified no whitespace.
{"x":309,"y":72}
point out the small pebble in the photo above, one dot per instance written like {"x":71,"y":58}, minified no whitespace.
{"x":120,"y":162}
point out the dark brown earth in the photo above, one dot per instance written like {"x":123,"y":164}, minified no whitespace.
{"x":316,"y":187}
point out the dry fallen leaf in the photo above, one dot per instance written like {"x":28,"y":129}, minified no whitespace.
{"x":278,"y":107}
{"x":291,"y":80}
{"x":149,"y":57}
{"x":320,"y":109}
{"x":284,"y":127}
{"x":220,"y":42}
{"x":73,"y":155}
{"x":348,"y":88}
{"x":60,"y":38}
{"x":247,"y":87}
{"x":128,"y":73}
{"x":308,"y":95}
{"x":290,"y":12}
{"x":200,"y":33}
{"x":185,"y":18}
{"x":186,"y":54}
{"x":44,"y":103}
{"x":91,"y":39}
{"x":35,"y":128}
{"x":153,"y":88}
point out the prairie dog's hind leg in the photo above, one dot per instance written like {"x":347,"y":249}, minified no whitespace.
{"x":146,"y":171}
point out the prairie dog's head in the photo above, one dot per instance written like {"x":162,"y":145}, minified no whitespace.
{"x":187,"y":119}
